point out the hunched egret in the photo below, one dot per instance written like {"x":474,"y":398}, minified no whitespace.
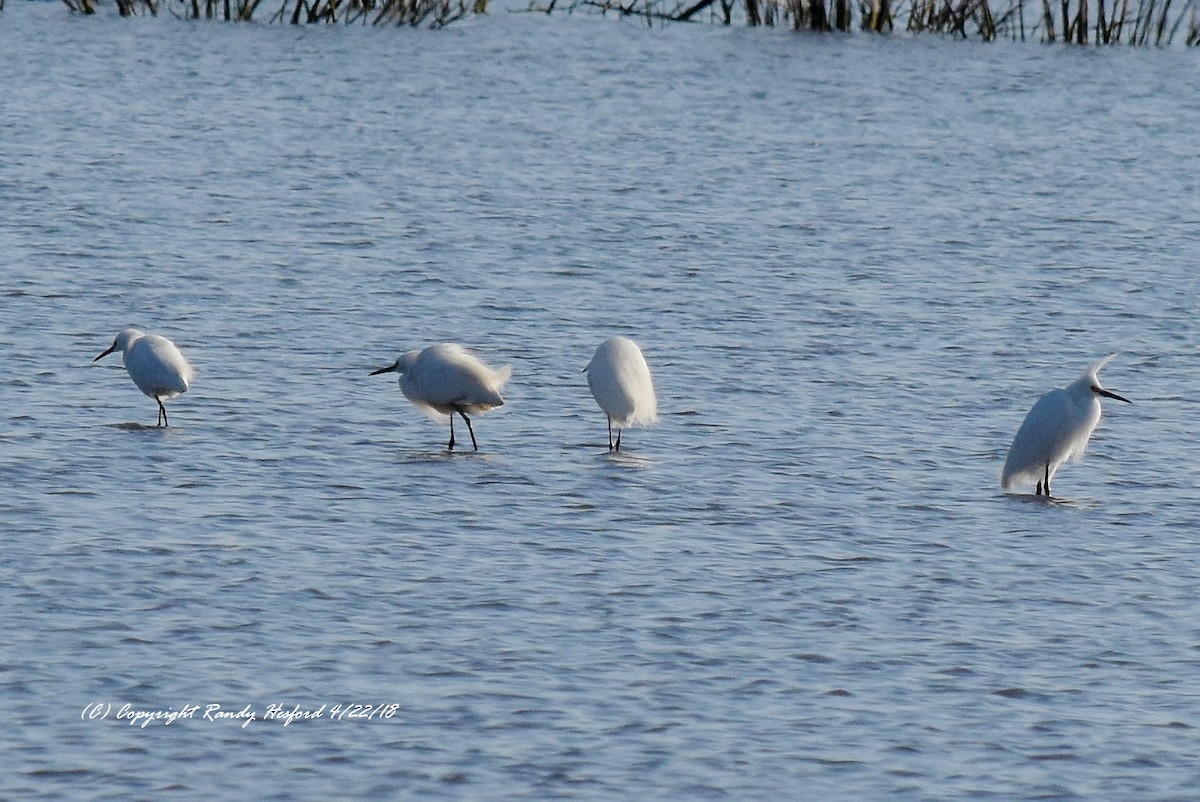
{"x":619,"y":379}
{"x":155,"y":365}
{"x":446,"y":379}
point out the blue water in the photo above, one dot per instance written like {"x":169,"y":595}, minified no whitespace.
{"x":853,"y":263}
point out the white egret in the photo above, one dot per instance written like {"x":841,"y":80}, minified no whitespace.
{"x":446,"y":379}
{"x":1055,"y":430}
{"x":620,"y":382}
{"x":155,"y":365}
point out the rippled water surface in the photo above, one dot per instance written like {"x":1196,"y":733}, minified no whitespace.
{"x":852,"y":262}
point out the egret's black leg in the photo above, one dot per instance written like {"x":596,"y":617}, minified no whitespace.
{"x":610,"y":445}
{"x":162,"y":412}
{"x":470,"y":428}
{"x":451,"y":446}
{"x":618,"y":448}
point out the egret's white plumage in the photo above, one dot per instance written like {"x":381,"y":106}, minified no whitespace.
{"x":154,"y":364}
{"x":1055,"y":430}
{"x":445,"y":379}
{"x":619,"y":379}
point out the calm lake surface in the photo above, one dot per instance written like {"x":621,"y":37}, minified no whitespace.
{"x":853,"y":263}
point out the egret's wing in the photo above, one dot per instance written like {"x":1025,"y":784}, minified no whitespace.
{"x":1038,"y":441}
{"x":157,"y":367}
{"x":447,"y":375}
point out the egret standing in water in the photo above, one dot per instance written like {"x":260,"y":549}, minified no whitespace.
{"x":620,"y":382}
{"x":446,"y":379}
{"x":1055,"y":430}
{"x":154,"y":364}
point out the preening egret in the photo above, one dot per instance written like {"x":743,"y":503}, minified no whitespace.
{"x":620,"y":382}
{"x":1055,"y":430}
{"x":446,"y":379}
{"x":154,"y":364}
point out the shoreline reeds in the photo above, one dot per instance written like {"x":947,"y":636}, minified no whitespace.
{"x":412,"y":13}
{"x":1100,"y":22}
{"x":1081,"y":22}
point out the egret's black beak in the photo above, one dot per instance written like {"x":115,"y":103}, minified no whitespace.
{"x":106,"y":353}
{"x":389,"y":369}
{"x":1107,"y":394}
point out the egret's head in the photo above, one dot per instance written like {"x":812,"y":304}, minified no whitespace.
{"x":121,"y":343}
{"x":1092,"y":377}
{"x":402,"y":364}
